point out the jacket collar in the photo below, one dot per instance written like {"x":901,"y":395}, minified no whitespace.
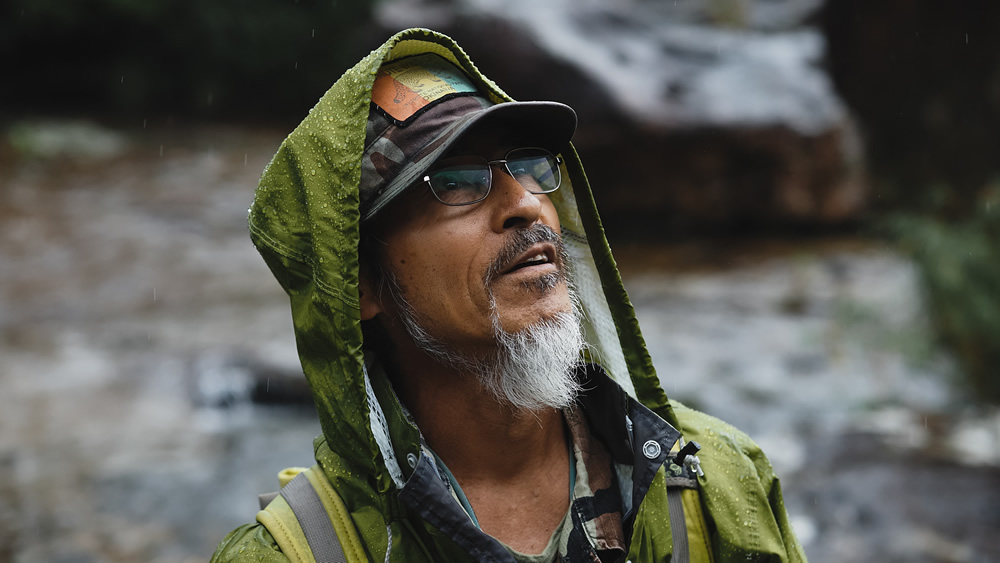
{"x":638,"y":439}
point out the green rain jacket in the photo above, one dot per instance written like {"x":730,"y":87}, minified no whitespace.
{"x":304,"y":220}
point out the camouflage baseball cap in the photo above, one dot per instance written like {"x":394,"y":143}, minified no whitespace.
{"x":421,"y":106}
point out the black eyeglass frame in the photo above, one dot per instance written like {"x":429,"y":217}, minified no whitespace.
{"x":489,"y":168}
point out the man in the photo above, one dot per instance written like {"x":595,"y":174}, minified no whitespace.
{"x":482,"y":385}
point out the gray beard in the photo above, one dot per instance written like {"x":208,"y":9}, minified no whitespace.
{"x":532,"y":369}
{"x":535,"y":367}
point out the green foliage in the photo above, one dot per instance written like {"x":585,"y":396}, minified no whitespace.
{"x":959,"y":266}
{"x":211,"y":57}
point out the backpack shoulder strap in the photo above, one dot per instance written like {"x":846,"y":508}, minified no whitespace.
{"x":309,"y":521}
{"x":687,"y":521}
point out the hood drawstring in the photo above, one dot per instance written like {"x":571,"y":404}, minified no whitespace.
{"x":687,"y":458}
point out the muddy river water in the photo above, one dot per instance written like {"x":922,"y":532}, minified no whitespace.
{"x":150,"y":387}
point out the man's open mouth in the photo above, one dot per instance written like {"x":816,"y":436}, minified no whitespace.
{"x":533,"y":254}
{"x":538,"y":255}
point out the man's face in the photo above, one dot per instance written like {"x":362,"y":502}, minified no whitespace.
{"x":454,"y":263}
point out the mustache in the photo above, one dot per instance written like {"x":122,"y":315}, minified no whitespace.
{"x":522,"y":239}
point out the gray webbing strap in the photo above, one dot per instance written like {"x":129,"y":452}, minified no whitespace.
{"x":678,"y":526}
{"x":312,"y":517}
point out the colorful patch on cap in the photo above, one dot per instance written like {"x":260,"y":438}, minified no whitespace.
{"x":404,"y":87}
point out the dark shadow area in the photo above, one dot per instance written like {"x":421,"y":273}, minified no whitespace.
{"x":255,"y":60}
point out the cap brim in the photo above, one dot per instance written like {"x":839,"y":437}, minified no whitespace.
{"x":548,"y":125}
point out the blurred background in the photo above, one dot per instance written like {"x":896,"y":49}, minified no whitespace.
{"x":803,"y":197}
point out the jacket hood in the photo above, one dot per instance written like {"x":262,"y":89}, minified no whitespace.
{"x":305,"y":221}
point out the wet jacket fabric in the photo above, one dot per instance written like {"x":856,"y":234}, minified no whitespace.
{"x":305,"y":221}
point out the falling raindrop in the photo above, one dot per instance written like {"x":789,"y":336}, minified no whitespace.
{"x":245,"y":158}
{"x":161,"y":150}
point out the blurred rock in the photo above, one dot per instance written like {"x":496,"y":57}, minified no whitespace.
{"x":233,"y":378}
{"x":220,"y":381}
{"x":277,"y":386}
{"x":704,"y":117}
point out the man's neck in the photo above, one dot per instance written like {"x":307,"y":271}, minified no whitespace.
{"x":473,"y":433}
{"x":512,"y":465}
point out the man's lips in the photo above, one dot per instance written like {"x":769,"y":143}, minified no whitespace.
{"x":533,"y":249}
{"x":540,"y":254}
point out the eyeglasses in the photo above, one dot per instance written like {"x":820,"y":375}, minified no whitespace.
{"x":467,"y":179}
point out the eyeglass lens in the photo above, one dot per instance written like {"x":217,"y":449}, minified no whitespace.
{"x":468,"y":180}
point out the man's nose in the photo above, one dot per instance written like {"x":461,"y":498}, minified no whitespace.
{"x":514,"y":205}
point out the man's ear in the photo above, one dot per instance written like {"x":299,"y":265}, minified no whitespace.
{"x":371,"y":304}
